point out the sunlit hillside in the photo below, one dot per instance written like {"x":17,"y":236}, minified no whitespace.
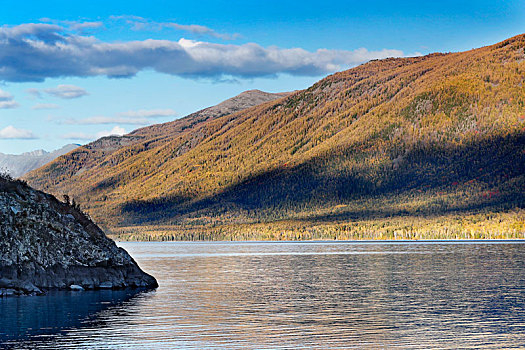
{"x":422,"y":147}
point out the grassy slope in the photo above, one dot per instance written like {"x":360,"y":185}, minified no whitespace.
{"x":426,"y":147}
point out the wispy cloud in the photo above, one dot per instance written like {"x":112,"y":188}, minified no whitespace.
{"x":116,"y":131}
{"x":61,"y":91}
{"x":5,"y":96}
{"x":10,"y":132}
{"x":34,"y":93}
{"x":78,"y":136}
{"x":34,"y":52}
{"x":85,"y":25}
{"x":45,"y":106}
{"x":67,"y":91}
{"x":138,"y":23}
{"x":7,"y":100}
{"x":201,"y":30}
{"x":138,"y":117}
{"x":8,"y":104}
{"x":149,"y":113}
{"x":100,"y":119}
{"x":79,"y":26}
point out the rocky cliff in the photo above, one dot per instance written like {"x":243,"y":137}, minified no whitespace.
{"x":48,"y":244}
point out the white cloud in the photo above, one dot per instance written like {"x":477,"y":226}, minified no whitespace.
{"x":81,"y":26}
{"x":100,"y":119}
{"x":7,"y":100}
{"x":34,"y":93}
{"x":149,"y":113}
{"x":78,"y":26}
{"x":137,"y":22}
{"x":67,"y":91}
{"x":5,"y":96}
{"x":116,"y":131}
{"x":8,"y":104}
{"x":10,"y":132}
{"x":36,"y":51}
{"x":45,"y":106}
{"x":138,"y":117}
{"x":201,"y":30}
{"x":78,"y":136}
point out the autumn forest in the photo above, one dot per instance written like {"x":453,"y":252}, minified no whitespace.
{"x":428,"y":147}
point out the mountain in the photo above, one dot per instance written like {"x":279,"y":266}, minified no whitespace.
{"x":238,"y":103}
{"x":17,"y":165}
{"x":419,"y":147}
{"x":47,"y":244}
{"x":113,"y":150}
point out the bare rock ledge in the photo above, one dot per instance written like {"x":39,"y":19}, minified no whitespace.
{"x":47,"y":244}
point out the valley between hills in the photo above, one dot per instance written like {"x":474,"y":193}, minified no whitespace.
{"x":429,"y":147}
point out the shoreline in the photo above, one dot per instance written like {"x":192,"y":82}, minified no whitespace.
{"x":368,"y":241}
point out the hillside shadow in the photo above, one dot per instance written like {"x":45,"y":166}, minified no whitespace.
{"x":496,"y":162}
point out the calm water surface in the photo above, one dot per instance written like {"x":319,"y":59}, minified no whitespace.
{"x":445,"y":295}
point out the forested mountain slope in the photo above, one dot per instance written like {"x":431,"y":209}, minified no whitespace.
{"x":419,"y":147}
{"x":93,"y":160}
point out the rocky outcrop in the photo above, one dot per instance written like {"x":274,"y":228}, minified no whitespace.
{"x":48,"y":244}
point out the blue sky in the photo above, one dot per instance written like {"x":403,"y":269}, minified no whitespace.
{"x":72,"y":71}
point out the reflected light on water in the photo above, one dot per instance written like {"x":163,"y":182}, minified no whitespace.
{"x":293,"y":295}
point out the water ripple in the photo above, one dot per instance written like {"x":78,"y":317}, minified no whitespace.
{"x":294,"y":295}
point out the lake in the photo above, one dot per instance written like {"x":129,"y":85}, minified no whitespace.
{"x":284,"y":295}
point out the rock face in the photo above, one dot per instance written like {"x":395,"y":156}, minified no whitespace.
{"x":47,"y":244}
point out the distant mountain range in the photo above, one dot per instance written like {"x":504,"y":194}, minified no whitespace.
{"x":17,"y":165}
{"x":420,"y":147}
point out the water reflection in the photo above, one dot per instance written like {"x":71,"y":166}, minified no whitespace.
{"x":313,"y":295}
{"x":42,"y":317}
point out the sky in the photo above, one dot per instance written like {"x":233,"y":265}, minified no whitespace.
{"x":74,"y":71}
